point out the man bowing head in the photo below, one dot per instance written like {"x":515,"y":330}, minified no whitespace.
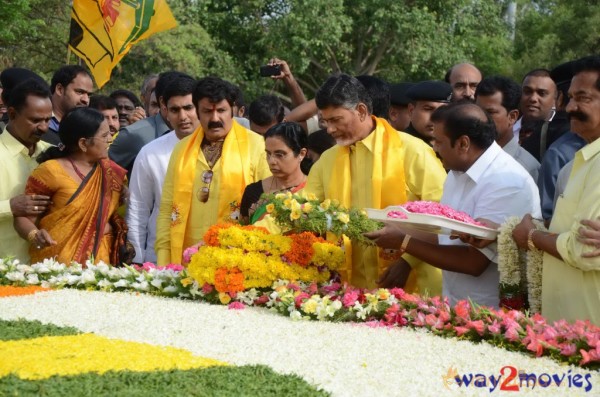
{"x":373,"y":166}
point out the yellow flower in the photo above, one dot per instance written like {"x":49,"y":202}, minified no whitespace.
{"x":307,"y":207}
{"x":335,"y":202}
{"x":224,"y":298}
{"x":311,"y":196}
{"x":383,"y":294}
{"x":310,"y":306}
{"x":296,"y":205}
{"x":325,"y":204}
{"x":343,"y":217}
{"x":43,"y":357}
{"x":287,"y":203}
{"x":280,"y":196}
{"x":187,"y":281}
{"x":270,"y":208}
{"x":295,"y":215}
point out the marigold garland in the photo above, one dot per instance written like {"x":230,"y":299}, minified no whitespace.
{"x":247,"y":257}
{"x":8,"y":290}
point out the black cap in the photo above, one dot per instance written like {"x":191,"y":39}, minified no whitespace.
{"x":398,"y":93}
{"x":563,"y":73}
{"x":432,"y":90}
{"x":11,"y":77}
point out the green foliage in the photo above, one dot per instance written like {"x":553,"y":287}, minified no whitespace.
{"x":214,"y":381}
{"x":23,"y":329}
{"x":398,"y":40}
{"x":187,"y":48}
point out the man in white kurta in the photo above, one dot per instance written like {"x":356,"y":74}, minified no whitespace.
{"x":150,"y":168}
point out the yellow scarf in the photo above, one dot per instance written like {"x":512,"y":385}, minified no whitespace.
{"x":234,"y":175}
{"x":388,"y":185}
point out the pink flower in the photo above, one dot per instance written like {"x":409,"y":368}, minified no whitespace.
{"x":300,"y":298}
{"x":461,"y":330}
{"x":512,"y":334}
{"x":236,"y":306}
{"x":207,"y":288}
{"x":433,"y":321}
{"x":568,"y":349}
{"x":334,"y":287}
{"x":313,"y":288}
{"x":419,"y":321}
{"x":350,"y":298}
{"x":463,"y":310}
{"x":175,"y":267}
{"x":261,"y":300}
{"x":478,"y":326}
{"x":495,"y":328}
{"x":293,"y":287}
{"x":188,"y":252}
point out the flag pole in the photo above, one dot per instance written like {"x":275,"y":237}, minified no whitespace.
{"x":68,"y":55}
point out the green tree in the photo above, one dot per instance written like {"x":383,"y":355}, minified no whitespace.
{"x":550,"y":32}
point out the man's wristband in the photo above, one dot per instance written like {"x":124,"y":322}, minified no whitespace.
{"x":405,"y":243}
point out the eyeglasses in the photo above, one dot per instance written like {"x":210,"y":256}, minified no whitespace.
{"x":204,"y":191}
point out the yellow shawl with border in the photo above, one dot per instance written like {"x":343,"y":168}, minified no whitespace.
{"x":234,"y":171}
{"x":388,"y":184}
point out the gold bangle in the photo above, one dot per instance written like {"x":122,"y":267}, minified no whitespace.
{"x":32,"y":234}
{"x":530,"y":243}
{"x":405,"y":243}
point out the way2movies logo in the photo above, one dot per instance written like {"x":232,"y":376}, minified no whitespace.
{"x":510,"y":378}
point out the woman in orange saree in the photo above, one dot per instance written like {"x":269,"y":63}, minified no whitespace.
{"x":86,"y":190}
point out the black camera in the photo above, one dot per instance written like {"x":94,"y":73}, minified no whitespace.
{"x":270,"y":70}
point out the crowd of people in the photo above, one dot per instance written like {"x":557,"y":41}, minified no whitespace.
{"x":122,"y":178}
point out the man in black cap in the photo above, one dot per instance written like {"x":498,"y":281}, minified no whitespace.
{"x":398,"y":115}
{"x":426,"y":97}
{"x":563,"y":150}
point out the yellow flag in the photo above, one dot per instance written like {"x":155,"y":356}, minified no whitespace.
{"x":103,"y":31}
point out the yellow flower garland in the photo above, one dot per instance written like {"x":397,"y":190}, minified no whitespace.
{"x":260,"y":258}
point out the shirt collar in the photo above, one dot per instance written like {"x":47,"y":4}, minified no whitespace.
{"x":483,"y":162}
{"x":369,"y":141}
{"x":590,"y":150}
{"x":15,"y":147}
{"x":512,"y":147}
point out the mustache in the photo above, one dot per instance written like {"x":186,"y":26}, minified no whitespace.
{"x":215,"y":124}
{"x":578,"y":115}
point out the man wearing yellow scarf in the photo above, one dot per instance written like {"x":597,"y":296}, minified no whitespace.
{"x":208,"y":172}
{"x":373,"y":166}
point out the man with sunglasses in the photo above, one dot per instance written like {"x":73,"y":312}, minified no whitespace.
{"x":207,"y":172}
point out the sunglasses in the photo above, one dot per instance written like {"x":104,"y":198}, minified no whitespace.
{"x":204,"y":191}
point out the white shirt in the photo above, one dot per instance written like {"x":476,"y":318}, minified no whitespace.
{"x":496,"y":187}
{"x":145,"y":189}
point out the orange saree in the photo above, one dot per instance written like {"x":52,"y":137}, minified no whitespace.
{"x":77,"y":218}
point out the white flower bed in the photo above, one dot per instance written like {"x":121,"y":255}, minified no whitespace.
{"x":344,"y":359}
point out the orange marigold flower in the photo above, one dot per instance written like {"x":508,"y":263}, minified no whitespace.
{"x":302,"y":250}
{"x":8,"y":290}
{"x":229,"y":280}
{"x":211,"y":237}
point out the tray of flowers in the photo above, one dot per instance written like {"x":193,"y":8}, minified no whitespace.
{"x":433,"y":217}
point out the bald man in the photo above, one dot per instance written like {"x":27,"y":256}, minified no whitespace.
{"x":464,"y":78}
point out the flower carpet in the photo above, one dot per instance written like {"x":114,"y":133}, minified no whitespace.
{"x":343,"y":359}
